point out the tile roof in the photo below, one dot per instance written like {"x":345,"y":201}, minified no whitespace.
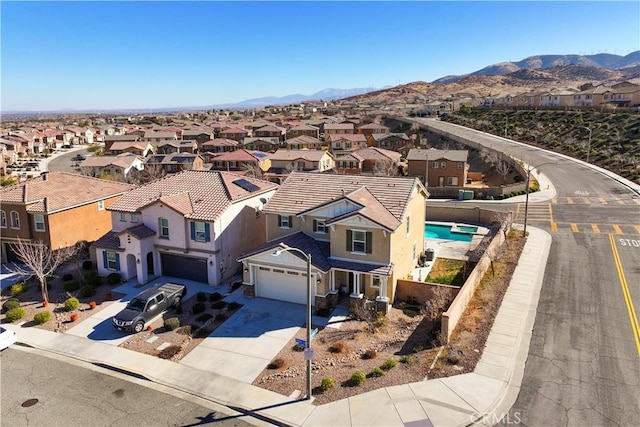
{"x":237,"y":156}
{"x":372,"y":126}
{"x":173,"y":158}
{"x":383,"y":136}
{"x":234,"y":130}
{"x":123,"y":160}
{"x":433,"y":154}
{"x":371,"y":209}
{"x":123,"y":145}
{"x":139,"y":231}
{"x":304,"y":127}
{"x":374,"y":153}
{"x":353,"y":137}
{"x":220,"y":142}
{"x":338,"y":126}
{"x":58,"y":191}
{"x":302,"y":192}
{"x":108,"y":241}
{"x":199,"y":195}
{"x":303,"y":139}
{"x":309,"y":155}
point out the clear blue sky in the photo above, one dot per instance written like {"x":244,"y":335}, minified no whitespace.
{"x":85,"y":55}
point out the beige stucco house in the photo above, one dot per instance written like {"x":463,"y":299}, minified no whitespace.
{"x":363,"y":234}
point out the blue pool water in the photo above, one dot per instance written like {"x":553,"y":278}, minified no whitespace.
{"x":437,"y":231}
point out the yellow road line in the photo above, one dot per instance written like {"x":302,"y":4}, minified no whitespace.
{"x":586,"y":201}
{"x":620,"y":202}
{"x":616,"y":228}
{"x":637,"y":227}
{"x":626,"y":294}
{"x":569,"y":200}
{"x":637,"y":201}
{"x":554,"y":200}
{"x":574,"y":227}
{"x":595,"y":228}
{"x":554,"y":226}
{"x":603,"y":201}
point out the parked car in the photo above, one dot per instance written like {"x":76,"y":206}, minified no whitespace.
{"x":7,"y":338}
{"x":148,"y":304}
{"x":78,"y":158}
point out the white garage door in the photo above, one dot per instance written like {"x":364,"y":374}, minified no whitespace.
{"x":282,"y":285}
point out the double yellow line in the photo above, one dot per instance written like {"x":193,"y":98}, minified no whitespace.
{"x":625,"y":292}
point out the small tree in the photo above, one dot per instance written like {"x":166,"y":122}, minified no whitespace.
{"x":39,"y":261}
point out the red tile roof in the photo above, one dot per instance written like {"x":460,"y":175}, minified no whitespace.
{"x":58,"y":191}
{"x":199,"y":195}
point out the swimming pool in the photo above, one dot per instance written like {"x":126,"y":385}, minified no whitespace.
{"x":441,"y":231}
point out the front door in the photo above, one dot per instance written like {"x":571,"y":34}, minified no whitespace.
{"x":441,"y":181}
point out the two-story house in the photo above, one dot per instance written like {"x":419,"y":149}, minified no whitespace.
{"x":304,"y":130}
{"x":139,"y":148}
{"x":439,"y":168}
{"x":240,"y":161}
{"x":269,"y":131}
{"x":237,"y":134}
{"x":362,"y":234}
{"x":399,"y":142}
{"x":345,"y":143}
{"x":57,"y":209}
{"x":304,"y":142}
{"x":337,"y":129}
{"x":266,"y":144}
{"x":177,"y":162}
{"x":371,"y":128}
{"x":115,"y":167}
{"x":285,"y":161}
{"x":219,"y":145}
{"x":191,"y":225}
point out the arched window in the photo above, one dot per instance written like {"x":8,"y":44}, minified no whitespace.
{"x":15,"y":219}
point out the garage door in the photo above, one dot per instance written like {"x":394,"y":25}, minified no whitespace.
{"x":282,"y":285}
{"x":184,"y":267}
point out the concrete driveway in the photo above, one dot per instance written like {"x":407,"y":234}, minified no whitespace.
{"x":244,"y":344}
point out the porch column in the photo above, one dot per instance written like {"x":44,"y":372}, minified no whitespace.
{"x":383,"y":289}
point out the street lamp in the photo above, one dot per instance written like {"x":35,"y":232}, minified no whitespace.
{"x":526,"y":202}
{"x":589,"y":144}
{"x":308,"y":352}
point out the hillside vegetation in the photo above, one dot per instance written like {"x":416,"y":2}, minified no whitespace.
{"x":615,"y":137}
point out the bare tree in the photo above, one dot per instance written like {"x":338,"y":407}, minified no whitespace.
{"x":80,"y":254}
{"x":252,"y":170}
{"x":437,"y":304}
{"x":365,"y":311}
{"x":502,"y":166}
{"x":385,"y":168}
{"x":39,"y":261}
{"x":149,"y":174}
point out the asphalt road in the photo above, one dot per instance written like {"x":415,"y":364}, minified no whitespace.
{"x":583,"y":366}
{"x":72,"y":393}
{"x":62,"y":162}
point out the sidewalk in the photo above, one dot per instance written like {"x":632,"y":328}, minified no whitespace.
{"x":480,"y":397}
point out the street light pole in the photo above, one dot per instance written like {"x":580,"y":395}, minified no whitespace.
{"x":308,"y":352}
{"x":589,"y":144}
{"x":526,"y":200}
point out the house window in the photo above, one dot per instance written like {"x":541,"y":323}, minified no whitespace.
{"x":319,"y":226}
{"x":134,"y":217}
{"x":443,"y":165}
{"x":359,"y":241}
{"x":123,"y":216}
{"x":460,"y":165}
{"x":200,"y":231}
{"x":100,"y":205}
{"x":434,"y":165}
{"x":112,"y":260}
{"x":164,"y":228}
{"x":452,"y":180}
{"x":3,"y":219}
{"x":39,"y":221}
{"x":284,"y":221}
{"x":375,"y":282}
{"x":414,"y":254}
{"x":15,"y":219}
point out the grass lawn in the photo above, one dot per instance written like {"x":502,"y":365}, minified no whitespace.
{"x":450,"y":271}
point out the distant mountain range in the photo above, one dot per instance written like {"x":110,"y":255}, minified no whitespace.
{"x":323,"y":95}
{"x":601,"y":60}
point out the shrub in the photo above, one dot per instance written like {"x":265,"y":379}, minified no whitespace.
{"x":87,"y":265}
{"x":357,"y":378}
{"x":276,"y":363}
{"x":376,"y":372}
{"x":184,"y":330}
{"x":93,"y":279}
{"x":369,"y":354}
{"x":10,"y":304}
{"x":337,"y":347}
{"x":297,"y":347}
{"x":406,"y":359}
{"x":66,"y":277}
{"x":87,"y":291}
{"x":218,"y":305}
{"x":215,"y":297}
{"x":42,"y":317}
{"x":204,"y":317}
{"x":15,"y":314}
{"x":327,"y":383}
{"x":417,"y":348}
{"x":388,"y":364}
{"x":71,"y":304}
{"x":201,"y":297}
{"x":71,"y":285}
{"x":18,"y":288}
{"x":169,"y":352}
{"x":198,"y":308}
{"x":114,"y":279}
{"x":409,"y":312}
{"x":233,"y":305}
{"x":171,"y":323}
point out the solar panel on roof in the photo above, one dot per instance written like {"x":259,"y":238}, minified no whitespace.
{"x":246,"y":185}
